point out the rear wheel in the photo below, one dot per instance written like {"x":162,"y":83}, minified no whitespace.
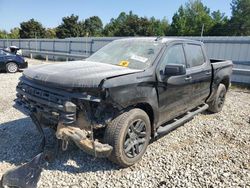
{"x":11,"y":67}
{"x":217,"y":104}
{"x":129,"y":135}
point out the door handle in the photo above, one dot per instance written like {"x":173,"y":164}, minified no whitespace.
{"x":208,"y":73}
{"x":188,"y":78}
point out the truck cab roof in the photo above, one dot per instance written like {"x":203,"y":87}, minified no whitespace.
{"x":165,"y":40}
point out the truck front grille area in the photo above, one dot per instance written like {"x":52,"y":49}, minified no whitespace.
{"x":50,"y":104}
{"x":42,"y":94}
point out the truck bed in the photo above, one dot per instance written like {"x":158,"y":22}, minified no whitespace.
{"x":216,"y":63}
{"x":221,"y":71}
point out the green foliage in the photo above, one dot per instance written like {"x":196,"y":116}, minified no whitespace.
{"x":50,"y":33}
{"x":93,"y":26}
{"x":3,"y":34}
{"x":133,"y":25}
{"x":14,"y":33}
{"x":70,"y":27}
{"x":190,"y":19}
{"x":32,"y":29}
{"x":240,"y":21}
{"x":220,"y":24}
{"x":179,"y":23}
{"x":154,"y":27}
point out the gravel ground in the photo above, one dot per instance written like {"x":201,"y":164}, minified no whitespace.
{"x":212,"y":150}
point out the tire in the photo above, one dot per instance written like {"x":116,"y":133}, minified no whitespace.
{"x":217,"y":104}
{"x":129,"y":135}
{"x":11,"y":67}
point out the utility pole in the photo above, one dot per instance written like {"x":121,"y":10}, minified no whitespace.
{"x":202,"y":31}
{"x":6,"y":36}
{"x":36,"y":40}
{"x":87,"y":34}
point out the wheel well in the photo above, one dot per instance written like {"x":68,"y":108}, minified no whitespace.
{"x":226,"y":82}
{"x":149,"y":110}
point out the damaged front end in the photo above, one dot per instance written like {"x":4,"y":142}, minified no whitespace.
{"x":82,"y":140}
{"x":75,"y":116}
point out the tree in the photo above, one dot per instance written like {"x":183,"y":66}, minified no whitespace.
{"x":133,"y":25}
{"x":189,"y":20}
{"x":165,"y":26}
{"x":220,"y":24}
{"x":50,"y":33}
{"x":179,"y":23}
{"x":70,"y":27}
{"x":130,"y":26}
{"x":112,"y":28}
{"x":153,"y":27}
{"x":32,"y":29}
{"x":3,"y":34}
{"x":14,"y":33}
{"x":240,"y":21}
{"x":93,"y":26}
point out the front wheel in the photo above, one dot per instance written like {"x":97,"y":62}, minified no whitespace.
{"x":129,"y":135}
{"x":217,"y":104}
{"x":11,"y":67}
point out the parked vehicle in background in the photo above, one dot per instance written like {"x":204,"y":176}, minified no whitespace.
{"x":13,"y":50}
{"x":11,"y":62}
{"x":129,"y":92}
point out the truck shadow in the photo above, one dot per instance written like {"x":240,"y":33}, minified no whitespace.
{"x":5,"y":72}
{"x":206,"y":112}
{"x":20,"y":142}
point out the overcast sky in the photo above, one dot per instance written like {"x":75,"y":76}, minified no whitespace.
{"x":50,"y":12}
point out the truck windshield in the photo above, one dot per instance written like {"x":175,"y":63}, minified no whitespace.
{"x":135,"y":54}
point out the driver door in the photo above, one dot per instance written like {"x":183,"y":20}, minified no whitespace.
{"x":173,"y":91}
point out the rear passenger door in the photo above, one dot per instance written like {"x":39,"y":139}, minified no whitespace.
{"x":199,"y":72}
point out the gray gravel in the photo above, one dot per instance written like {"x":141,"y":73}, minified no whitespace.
{"x":212,"y":150}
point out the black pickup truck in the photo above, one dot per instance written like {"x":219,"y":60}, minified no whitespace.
{"x":125,"y":95}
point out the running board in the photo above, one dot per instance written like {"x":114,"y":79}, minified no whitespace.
{"x":162,"y":130}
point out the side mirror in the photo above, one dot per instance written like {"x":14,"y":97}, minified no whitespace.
{"x":175,"y":70}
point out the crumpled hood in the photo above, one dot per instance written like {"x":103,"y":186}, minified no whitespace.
{"x":75,"y":73}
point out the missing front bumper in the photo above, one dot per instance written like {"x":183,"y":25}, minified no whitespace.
{"x":81,"y":139}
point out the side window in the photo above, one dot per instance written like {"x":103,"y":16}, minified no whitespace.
{"x":173,"y":55}
{"x":194,"y":55}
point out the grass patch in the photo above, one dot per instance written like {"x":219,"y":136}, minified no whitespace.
{"x":39,"y":57}
{"x":235,"y":86}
